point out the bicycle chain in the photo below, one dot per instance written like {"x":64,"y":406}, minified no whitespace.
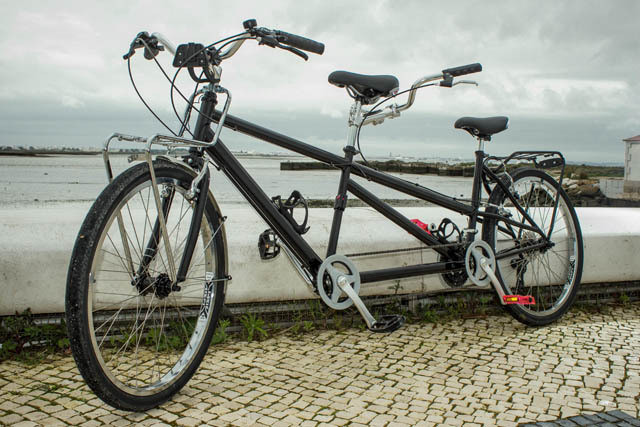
{"x":391,"y":251}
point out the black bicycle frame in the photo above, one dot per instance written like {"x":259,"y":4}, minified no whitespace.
{"x":262,"y":203}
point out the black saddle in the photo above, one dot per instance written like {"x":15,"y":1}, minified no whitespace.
{"x":482,"y":128}
{"x":369,"y":86}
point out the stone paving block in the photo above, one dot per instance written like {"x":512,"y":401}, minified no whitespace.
{"x":463,"y":372}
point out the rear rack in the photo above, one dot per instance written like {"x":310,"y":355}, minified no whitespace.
{"x":539,"y":160}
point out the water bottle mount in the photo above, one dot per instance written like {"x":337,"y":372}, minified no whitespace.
{"x":286,"y":208}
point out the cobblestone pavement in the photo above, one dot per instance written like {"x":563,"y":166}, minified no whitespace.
{"x":466,"y":372}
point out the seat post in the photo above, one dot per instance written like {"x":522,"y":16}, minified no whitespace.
{"x":355,"y":118}
{"x":480,"y":144}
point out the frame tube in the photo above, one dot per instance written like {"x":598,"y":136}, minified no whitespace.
{"x":403,"y":272}
{"x":394,"y":216}
{"x":262,"y":204}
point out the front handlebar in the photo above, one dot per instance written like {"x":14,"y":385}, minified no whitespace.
{"x":272,"y":38}
{"x":165,"y":42}
{"x":299,"y":42}
{"x":294,"y":44}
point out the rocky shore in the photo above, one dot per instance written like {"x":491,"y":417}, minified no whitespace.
{"x":418,"y":168}
{"x":582,"y":188}
{"x":587,"y":193}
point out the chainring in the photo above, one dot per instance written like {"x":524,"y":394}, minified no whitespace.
{"x":455,"y":278}
{"x":475,"y":252}
{"x":328,"y":274}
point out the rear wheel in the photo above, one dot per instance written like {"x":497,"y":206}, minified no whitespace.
{"x":551,"y":274}
{"x":136,"y":336}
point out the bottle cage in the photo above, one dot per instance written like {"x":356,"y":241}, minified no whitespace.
{"x":287,"y":207}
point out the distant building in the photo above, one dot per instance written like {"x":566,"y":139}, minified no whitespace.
{"x":632,"y":165}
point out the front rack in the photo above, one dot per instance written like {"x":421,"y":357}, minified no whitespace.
{"x":171,"y":142}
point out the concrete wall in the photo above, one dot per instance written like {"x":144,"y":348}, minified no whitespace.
{"x":35,"y":246}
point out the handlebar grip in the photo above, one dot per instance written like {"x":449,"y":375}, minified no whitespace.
{"x":299,"y":42}
{"x":462,"y":70}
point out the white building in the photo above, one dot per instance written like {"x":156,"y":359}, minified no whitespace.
{"x":632,"y":165}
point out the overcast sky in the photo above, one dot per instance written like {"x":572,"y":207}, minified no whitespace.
{"x":565,"y":72}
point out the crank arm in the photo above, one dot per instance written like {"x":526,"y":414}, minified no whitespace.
{"x":505,"y":299}
{"x":387,"y":323}
{"x":347,"y":289}
{"x":494,"y":279}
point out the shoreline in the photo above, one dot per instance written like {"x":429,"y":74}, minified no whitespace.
{"x":463,"y":169}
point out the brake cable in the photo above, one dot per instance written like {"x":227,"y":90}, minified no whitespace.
{"x":173,"y":85}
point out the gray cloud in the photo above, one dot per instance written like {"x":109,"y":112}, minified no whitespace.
{"x":566,"y":72}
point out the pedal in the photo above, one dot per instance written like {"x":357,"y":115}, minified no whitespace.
{"x":519,"y":299}
{"x":268,"y":245}
{"x":388,"y":323}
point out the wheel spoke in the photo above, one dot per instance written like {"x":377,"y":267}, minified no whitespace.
{"x":146,"y":334}
{"x":537,"y":272}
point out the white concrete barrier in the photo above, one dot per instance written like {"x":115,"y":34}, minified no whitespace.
{"x":35,"y":246}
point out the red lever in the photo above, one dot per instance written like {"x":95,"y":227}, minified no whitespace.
{"x":421,"y":224}
{"x":519,"y":299}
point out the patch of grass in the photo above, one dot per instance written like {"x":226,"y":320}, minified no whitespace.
{"x":220,"y":336}
{"x":308,"y":326}
{"x":338,"y":322}
{"x":253,"y":327}
{"x":20,"y":332}
{"x":484,"y":301}
{"x":429,"y":316}
{"x":624,"y":299}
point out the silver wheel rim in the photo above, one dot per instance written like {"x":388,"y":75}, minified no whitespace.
{"x":547,"y":275}
{"x":144,"y":343}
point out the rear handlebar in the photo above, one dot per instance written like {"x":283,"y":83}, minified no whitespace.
{"x":462,"y":70}
{"x":299,"y":42}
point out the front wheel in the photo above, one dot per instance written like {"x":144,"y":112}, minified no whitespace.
{"x":136,"y":335}
{"x":550,"y":274}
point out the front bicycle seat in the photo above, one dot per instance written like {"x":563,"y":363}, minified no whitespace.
{"x":482,"y":128}
{"x":369,"y":86}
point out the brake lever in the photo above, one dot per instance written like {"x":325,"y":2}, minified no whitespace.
{"x":135,"y":44}
{"x":268,"y":40}
{"x":466,"y":82}
{"x":152,"y":48}
{"x":293,"y":50}
{"x":448,"y":82}
{"x":149,"y":43}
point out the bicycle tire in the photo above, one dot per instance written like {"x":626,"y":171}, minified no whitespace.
{"x":553,"y":275}
{"x":137,"y":342}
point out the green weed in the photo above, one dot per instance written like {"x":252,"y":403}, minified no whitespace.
{"x":253,"y":327}
{"x":220,"y":336}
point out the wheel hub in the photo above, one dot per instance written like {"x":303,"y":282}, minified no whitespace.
{"x":161,"y":286}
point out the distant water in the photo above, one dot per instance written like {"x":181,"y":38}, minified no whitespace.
{"x":76,"y":178}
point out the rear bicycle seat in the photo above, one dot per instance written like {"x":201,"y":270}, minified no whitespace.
{"x":482,"y":128}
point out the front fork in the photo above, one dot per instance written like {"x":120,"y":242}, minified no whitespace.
{"x":198,"y":193}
